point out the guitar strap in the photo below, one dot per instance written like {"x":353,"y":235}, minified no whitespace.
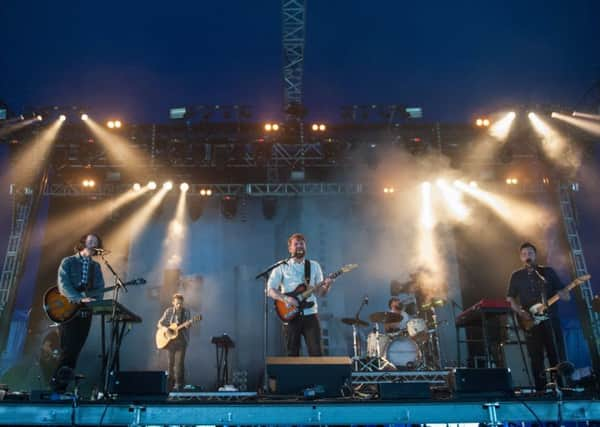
{"x":307,"y":272}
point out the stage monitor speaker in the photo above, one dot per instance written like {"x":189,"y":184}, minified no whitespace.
{"x":489,"y":382}
{"x":319,"y":376}
{"x":139,"y":384}
{"x":409,"y":390}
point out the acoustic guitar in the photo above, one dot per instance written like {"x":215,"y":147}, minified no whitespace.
{"x":60,"y":310}
{"x":539,"y":312}
{"x":301,"y":293}
{"x":165,"y":334}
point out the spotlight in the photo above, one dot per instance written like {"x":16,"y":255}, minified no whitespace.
{"x":473,"y":184}
{"x":118,"y":124}
{"x":184,"y":186}
{"x":168,"y":185}
{"x":315,"y":127}
{"x":322,"y":127}
{"x":205,"y":192}
{"x":39,"y":118}
{"x":137,"y":186}
{"x":88,"y":183}
{"x":110,"y":124}
{"x":388,"y":190}
{"x":152,"y":185}
{"x":531,"y":115}
{"x":479,"y":122}
{"x":486,"y":122}
{"x":229,"y":207}
{"x":512,"y":181}
{"x":84,"y":117}
{"x":268,"y":127}
{"x":275,"y":127}
{"x":62,"y":118}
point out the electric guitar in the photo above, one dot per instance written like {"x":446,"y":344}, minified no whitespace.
{"x":301,"y":293}
{"x":165,"y":334}
{"x":539,"y":312}
{"x":60,"y":310}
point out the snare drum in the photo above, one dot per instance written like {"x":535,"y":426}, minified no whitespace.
{"x":417,"y":328}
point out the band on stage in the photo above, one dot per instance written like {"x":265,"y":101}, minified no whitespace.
{"x":404,"y":336}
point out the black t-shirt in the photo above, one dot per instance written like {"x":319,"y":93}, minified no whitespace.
{"x":528,"y":287}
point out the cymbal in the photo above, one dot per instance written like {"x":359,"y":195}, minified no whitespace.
{"x":385,"y":317}
{"x":354,"y":321}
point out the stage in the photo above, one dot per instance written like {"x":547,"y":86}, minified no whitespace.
{"x":215,"y":410}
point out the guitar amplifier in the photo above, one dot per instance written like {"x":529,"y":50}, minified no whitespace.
{"x":324,"y":376}
{"x":143,"y":385}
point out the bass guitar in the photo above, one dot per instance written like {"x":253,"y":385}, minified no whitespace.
{"x":539,"y":312}
{"x":301,"y":293}
{"x":165,"y":334}
{"x":60,"y":310}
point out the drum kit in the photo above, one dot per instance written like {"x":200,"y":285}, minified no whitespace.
{"x":405,"y":339}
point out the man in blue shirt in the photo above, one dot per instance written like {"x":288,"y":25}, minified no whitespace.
{"x":76,"y":274}
{"x":534,"y":284}
{"x":286,"y":278}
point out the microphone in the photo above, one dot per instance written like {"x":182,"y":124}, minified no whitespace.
{"x":100,"y":251}
{"x":366,"y":300}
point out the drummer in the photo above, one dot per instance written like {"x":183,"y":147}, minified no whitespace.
{"x":396,"y":305}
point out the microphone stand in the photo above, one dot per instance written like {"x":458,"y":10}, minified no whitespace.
{"x":265,"y":275}
{"x":109,"y":363}
{"x":356,"y":357}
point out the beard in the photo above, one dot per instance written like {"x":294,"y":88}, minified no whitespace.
{"x":299,"y":253}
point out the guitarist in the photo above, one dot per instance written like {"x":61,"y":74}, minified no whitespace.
{"x":286,"y":278}
{"x":76,"y":274}
{"x":177,"y":347}
{"x":531,"y":285}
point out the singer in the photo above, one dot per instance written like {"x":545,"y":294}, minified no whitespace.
{"x":286,"y":278}
{"x":76,"y":274}
{"x":534,"y":284}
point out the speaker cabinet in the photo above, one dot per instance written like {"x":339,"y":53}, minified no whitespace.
{"x":322,"y":376}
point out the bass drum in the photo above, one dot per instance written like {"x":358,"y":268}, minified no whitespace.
{"x":403,"y":352}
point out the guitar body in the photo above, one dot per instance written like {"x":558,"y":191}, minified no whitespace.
{"x":289,"y":312}
{"x":539,"y":312}
{"x":165,"y":334}
{"x":58,"y":308}
{"x":301,"y":294}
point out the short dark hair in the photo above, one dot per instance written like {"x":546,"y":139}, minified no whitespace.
{"x":528,"y":245}
{"x":81,"y":243}
{"x":392,"y":300}
{"x":178,"y":296}
{"x":298,"y":236}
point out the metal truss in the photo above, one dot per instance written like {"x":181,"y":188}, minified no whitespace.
{"x":293,"y":37}
{"x":592,"y":318}
{"x":251,"y":190}
{"x":21,"y":211}
{"x":434,"y":377}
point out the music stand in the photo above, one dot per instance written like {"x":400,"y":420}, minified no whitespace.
{"x":223,"y":343}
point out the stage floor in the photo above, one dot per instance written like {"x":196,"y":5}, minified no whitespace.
{"x":248,"y":410}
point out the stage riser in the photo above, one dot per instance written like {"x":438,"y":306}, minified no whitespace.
{"x":312,"y":412}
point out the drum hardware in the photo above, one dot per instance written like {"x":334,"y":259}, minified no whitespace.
{"x":355,"y":322}
{"x":385,"y":317}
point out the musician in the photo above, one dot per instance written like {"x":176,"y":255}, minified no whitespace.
{"x":286,"y":278}
{"x":531,"y":285}
{"x":396,"y":306}
{"x":76,"y":274}
{"x":177,"y":347}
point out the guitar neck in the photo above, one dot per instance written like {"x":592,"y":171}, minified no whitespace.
{"x":312,"y":289}
{"x":569,"y":287}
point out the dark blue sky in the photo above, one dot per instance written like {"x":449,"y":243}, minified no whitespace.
{"x":136,"y":59}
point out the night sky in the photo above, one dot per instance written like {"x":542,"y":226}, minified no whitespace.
{"x":136,"y":59}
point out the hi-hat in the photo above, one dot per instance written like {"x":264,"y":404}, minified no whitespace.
{"x":354,"y":321}
{"x":385,"y":317}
